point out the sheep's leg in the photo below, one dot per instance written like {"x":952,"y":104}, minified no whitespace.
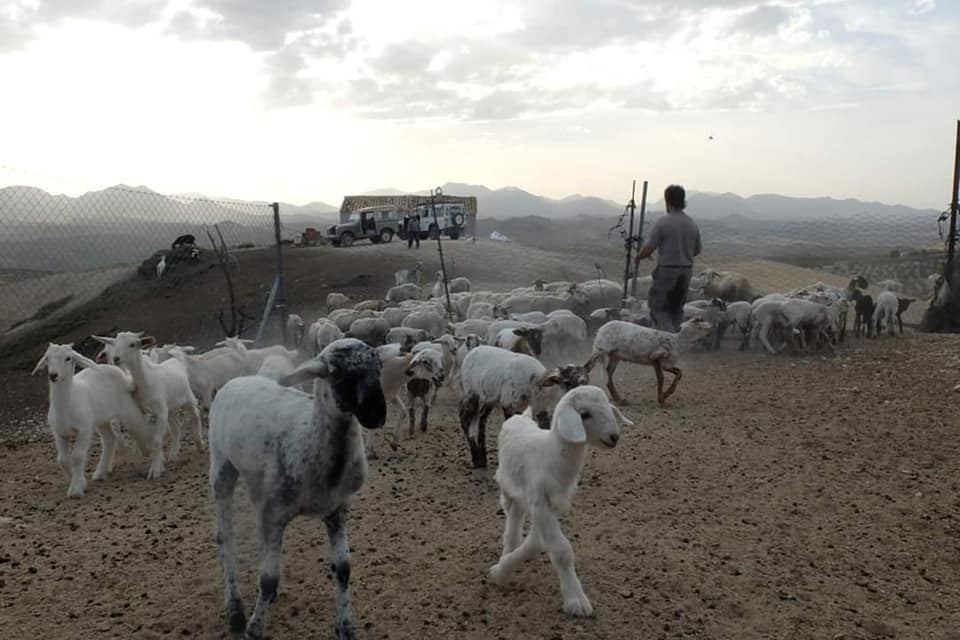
{"x":340,"y":567}
{"x":160,"y":423}
{"x":395,"y":443}
{"x":423,"y":416}
{"x":194,"y":411}
{"x":509,"y":562}
{"x":78,"y":459}
{"x":108,"y":447}
{"x":658,"y":369}
{"x":63,"y":452}
{"x":512,"y":530}
{"x":611,"y":368}
{"x":575,"y":601}
{"x":224,"y":484}
{"x":481,"y":461}
{"x":765,"y":338}
{"x":745,"y":340}
{"x":411,"y":411}
{"x":718,"y":336}
{"x":677,"y":374}
{"x":471,"y":417}
{"x":272,"y":525}
{"x":176,"y":434}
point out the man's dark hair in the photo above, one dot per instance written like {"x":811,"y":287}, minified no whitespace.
{"x":675,"y":197}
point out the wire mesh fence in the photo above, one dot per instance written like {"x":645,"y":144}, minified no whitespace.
{"x":59,"y":253}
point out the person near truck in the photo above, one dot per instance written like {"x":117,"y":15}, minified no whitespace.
{"x":676,"y":239}
{"x":413,"y":231}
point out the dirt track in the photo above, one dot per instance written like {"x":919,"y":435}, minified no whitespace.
{"x":773,"y":498}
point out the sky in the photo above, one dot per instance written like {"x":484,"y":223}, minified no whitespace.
{"x":297,"y":100}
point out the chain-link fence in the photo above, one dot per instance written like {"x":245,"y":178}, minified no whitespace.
{"x":64,"y":257}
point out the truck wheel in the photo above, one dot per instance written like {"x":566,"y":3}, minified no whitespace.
{"x":346,"y":239}
{"x":374,"y":239}
{"x":386,"y":236}
{"x":454,"y":234}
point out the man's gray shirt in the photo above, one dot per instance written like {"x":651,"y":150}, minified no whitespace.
{"x":676,"y":237}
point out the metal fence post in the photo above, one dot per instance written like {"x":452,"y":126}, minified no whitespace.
{"x":643,"y":211}
{"x":632,"y":205}
{"x":443,"y":267}
{"x":952,"y":238}
{"x":281,"y":299}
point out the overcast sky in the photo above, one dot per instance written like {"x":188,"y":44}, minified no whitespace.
{"x":296,"y":100}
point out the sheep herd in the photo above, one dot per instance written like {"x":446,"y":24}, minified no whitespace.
{"x":287,"y":419}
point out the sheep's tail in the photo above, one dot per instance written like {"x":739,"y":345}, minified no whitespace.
{"x":598,"y":356}
{"x":593,"y":360}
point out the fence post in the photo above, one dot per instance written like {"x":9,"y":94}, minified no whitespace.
{"x":443,"y":267}
{"x":952,"y":238}
{"x":643,"y":210}
{"x":281,"y":299}
{"x":632,"y":205}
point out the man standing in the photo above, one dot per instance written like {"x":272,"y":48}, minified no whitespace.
{"x":413,"y":231}
{"x":676,"y":239}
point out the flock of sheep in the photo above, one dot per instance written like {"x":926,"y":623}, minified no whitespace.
{"x":302,"y":451}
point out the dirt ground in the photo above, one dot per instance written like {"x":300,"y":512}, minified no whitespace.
{"x":773,"y":498}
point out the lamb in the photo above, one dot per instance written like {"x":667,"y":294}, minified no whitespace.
{"x":395,"y":315}
{"x":480,"y":311}
{"x":891,"y":285}
{"x":726,"y":285}
{"x":404,"y":292}
{"x":528,"y":340}
{"x":297,"y":454}
{"x":446,"y":345}
{"x":337,"y":301}
{"x":424,"y":376}
{"x":84,"y":402}
{"x":494,"y":328}
{"x":801,"y":316}
{"x":409,"y":276}
{"x":618,"y":340}
{"x":161,"y":391}
{"x":886,"y":311}
{"x":524,"y":303}
{"x":468,"y":327}
{"x":492,"y":377}
{"x":373,"y":331}
{"x":564,"y":335}
{"x":536,"y":317}
{"x":369,"y":305}
{"x":538,"y":475}
{"x":767,"y":315}
{"x":738,"y":314}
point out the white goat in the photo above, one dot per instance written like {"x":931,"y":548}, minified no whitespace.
{"x":618,"y":340}
{"x":538,"y":475}
{"x":885,"y":315}
{"x":409,"y":276}
{"x":84,"y":402}
{"x":297,"y":454}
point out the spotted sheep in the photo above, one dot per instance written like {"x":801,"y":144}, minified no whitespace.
{"x":297,"y":455}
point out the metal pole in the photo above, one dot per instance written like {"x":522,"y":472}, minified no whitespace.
{"x":643,"y":210}
{"x":280,"y":298}
{"x":952,"y":239}
{"x":632,"y":205}
{"x":443,"y":267}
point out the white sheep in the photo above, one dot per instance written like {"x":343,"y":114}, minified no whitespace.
{"x":885,"y":314}
{"x":395,"y":315}
{"x":738,"y":314}
{"x":726,"y":285}
{"x":295,"y":330}
{"x":84,"y":402}
{"x":406,"y":335}
{"x":373,"y":331}
{"x":337,"y":301}
{"x":424,"y":376}
{"x":298,"y":455}
{"x":255,"y":357}
{"x":538,"y":475}
{"x":404,"y":292}
{"x":455,"y":285}
{"x":618,"y":340}
{"x":491,"y":377}
{"x":528,"y":340}
{"x":480,"y":311}
{"x":343,"y":318}
{"x":536,"y":317}
{"x":474,"y":326}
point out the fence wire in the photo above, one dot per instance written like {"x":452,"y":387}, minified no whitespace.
{"x":59,"y":252}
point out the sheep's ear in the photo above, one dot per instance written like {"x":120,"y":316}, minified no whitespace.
{"x":622,"y":418}
{"x":147,"y":341}
{"x":569,"y":426}
{"x":519,"y":332}
{"x":41,"y":363}
{"x":104,"y":339}
{"x":247,"y":341}
{"x":306,"y":373}
{"x":101,"y":356}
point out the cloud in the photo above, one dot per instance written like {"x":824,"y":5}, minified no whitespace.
{"x":763,"y":20}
